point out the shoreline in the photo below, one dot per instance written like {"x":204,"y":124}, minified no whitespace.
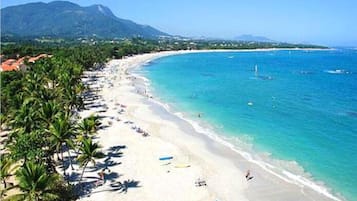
{"x":305,"y":181}
{"x":217,"y":163}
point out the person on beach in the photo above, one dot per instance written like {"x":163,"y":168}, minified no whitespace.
{"x":247,"y":176}
{"x":102,"y":176}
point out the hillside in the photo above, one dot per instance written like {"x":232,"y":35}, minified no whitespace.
{"x":66,"y":19}
{"x":248,"y":37}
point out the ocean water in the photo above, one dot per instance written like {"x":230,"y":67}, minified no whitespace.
{"x":295,"y":110}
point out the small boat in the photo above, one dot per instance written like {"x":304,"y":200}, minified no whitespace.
{"x":337,"y":71}
{"x":182,"y":166}
{"x":166,"y":158}
{"x":261,"y":77}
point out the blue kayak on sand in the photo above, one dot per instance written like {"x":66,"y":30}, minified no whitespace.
{"x":166,"y":158}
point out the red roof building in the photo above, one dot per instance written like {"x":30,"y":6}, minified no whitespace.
{"x":9,"y":65}
{"x":13,"y":64}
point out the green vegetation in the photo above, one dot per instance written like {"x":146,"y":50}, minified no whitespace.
{"x":35,"y":183}
{"x":6,"y":169}
{"x":39,"y":108}
{"x":12,"y":47}
{"x":90,"y":151}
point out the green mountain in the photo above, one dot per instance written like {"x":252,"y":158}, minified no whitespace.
{"x":66,"y":19}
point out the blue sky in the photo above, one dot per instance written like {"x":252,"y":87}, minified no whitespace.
{"x":326,"y":22}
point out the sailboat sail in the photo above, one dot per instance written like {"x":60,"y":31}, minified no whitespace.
{"x":256,"y":70}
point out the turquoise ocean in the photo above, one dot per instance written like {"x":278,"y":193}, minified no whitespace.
{"x":293,"y":109}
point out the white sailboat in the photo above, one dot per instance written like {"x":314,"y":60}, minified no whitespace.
{"x":256,"y":70}
{"x":262,"y":77}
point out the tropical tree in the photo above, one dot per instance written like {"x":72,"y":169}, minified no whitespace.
{"x":89,"y":125}
{"x":26,"y":116}
{"x":61,"y":134}
{"x":84,"y":128}
{"x":28,"y":146}
{"x":48,"y":111}
{"x":38,"y":105}
{"x":94,"y":122}
{"x":11,"y":85}
{"x":69,"y":97}
{"x":7,"y":167}
{"x":89,"y":152}
{"x":35,"y":183}
{"x":33,"y":85}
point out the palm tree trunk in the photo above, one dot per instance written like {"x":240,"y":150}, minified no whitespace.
{"x":63,"y":163}
{"x":70,"y":159}
{"x":84,"y":167}
{"x":25,"y":160}
{"x":50,"y":160}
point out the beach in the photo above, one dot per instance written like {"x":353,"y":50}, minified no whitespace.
{"x":138,"y":130}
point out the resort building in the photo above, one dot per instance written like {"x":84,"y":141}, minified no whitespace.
{"x":13,"y":64}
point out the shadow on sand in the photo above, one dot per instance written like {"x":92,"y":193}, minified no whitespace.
{"x":87,"y":188}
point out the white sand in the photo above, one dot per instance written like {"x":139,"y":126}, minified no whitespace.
{"x":222,"y":169}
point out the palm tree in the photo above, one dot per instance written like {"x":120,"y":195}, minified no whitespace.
{"x":50,"y":68}
{"x":6,"y":169}
{"x":89,"y":152}
{"x":15,"y":102}
{"x":89,"y":125}
{"x":61,"y":131}
{"x":85,"y":127}
{"x":48,"y":111}
{"x":71,"y":99}
{"x":3,"y":121}
{"x":94,"y":122}
{"x":26,"y":116}
{"x":34,"y":85}
{"x":35,"y":183}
